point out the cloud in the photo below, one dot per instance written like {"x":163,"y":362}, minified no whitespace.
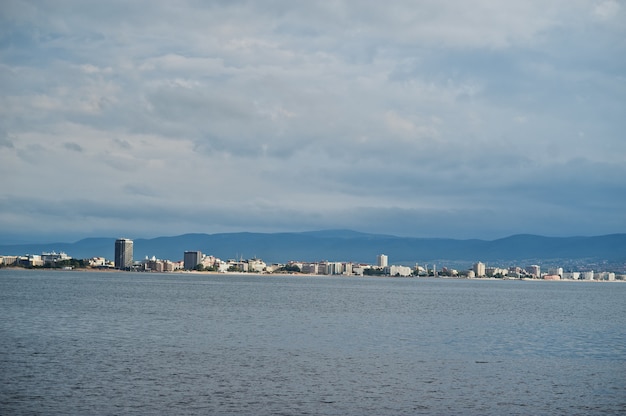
{"x":5,"y":141}
{"x":429,"y":117}
{"x":73,"y":146}
{"x":606,"y":10}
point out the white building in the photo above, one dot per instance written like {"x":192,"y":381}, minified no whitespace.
{"x":401,"y":271}
{"x":605,"y":276}
{"x":97,"y":262}
{"x":556,"y":271}
{"x":571,"y":275}
{"x":358,"y":270}
{"x":334,"y":268}
{"x":53,"y":257}
{"x":479,"y":269}
{"x":8,"y":260}
{"x":258,"y":265}
{"x":208,"y":261}
{"x":310,"y":268}
{"x":494,"y":271}
{"x":586,"y":275}
{"x":382,"y":260}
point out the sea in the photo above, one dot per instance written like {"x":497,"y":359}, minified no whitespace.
{"x":117,"y":343}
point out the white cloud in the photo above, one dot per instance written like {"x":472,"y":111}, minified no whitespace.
{"x":606,"y":10}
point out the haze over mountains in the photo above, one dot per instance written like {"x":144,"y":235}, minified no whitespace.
{"x":346,"y":245}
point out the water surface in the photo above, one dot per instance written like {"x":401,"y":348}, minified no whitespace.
{"x":134,"y":343}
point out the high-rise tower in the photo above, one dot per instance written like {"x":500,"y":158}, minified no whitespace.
{"x":381,"y":260}
{"x":123,"y":253}
{"x":192,"y":259}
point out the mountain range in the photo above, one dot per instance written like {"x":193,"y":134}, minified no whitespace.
{"x":347,"y":245}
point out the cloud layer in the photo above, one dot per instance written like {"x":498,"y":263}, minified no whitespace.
{"x":430,"y":118}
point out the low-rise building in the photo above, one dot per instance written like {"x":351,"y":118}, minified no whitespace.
{"x":208,"y":261}
{"x":53,"y":257}
{"x":401,"y":271}
{"x":257,"y":265}
{"x":551,"y":277}
{"x":237,"y":265}
{"x":495,"y":271}
{"x":571,"y":275}
{"x":30,"y":260}
{"x":8,"y":260}
{"x":310,"y":268}
{"x":556,"y":270}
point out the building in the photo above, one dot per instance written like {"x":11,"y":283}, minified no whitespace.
{"x":258,"y":265}
{"x":192,"y":259}
{"x":382,"y":260}
{"x":551,"y":277}
{"x":401,"y":271}
{"x":556,"y":270}
{"x":53,"y":257}
{"x":605,"y":276}
{"x":479,"y":269}
{"x":97,"y":262}
{"x":334,"y":268}
{"x":534,"y":270}
{"x":8,"y":260}
{"x":310,"y":268}
{"x":587,"y":275}
{"x":123,"y":253}
{"x":496,"y":272}
{"x":30,"y":260}
{"x":237,"y":266}
{"x":208,"y":261}
{"x":571,"y":275}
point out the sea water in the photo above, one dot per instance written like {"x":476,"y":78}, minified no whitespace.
{"x":105,"y":343}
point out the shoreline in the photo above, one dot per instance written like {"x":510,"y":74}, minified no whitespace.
{"x":196,"y":272}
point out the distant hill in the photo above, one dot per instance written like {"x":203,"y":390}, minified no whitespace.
{"x":347,"y":245}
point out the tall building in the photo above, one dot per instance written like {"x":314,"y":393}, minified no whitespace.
{"x":534,"y":270}
{"x":123,"y":253}
{"x":192,"y":259}
{"x":381,"y":260}
{"x":479,"y":269}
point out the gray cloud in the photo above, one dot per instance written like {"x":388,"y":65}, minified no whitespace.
{"x":5,"y":141}
{"x":72,"y":146}
{"x":427,"y":118}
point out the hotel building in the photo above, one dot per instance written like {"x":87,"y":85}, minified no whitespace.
{"x":123,"y":253}
{"x":192,"y":259}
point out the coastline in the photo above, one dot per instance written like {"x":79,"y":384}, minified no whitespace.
{"x":304,"y":275}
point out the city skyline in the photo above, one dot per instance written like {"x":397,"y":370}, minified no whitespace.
{"x":423,"y":119}
{"x":196,"y":261}
{"x":579,"y":253}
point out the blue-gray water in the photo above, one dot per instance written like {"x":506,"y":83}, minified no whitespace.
{"x":130,"y":343}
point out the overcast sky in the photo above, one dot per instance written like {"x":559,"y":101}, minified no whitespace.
{"x":425,"y":118}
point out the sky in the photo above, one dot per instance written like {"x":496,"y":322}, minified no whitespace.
{"x":423,"y":118}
